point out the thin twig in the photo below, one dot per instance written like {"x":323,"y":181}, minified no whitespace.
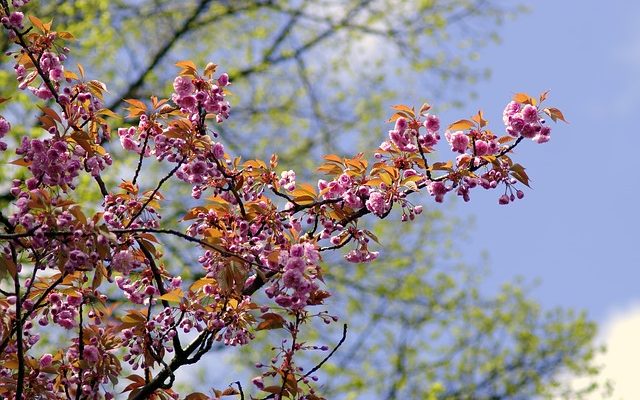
{"x":239,"y":389}
{"x":141,"y":158}
{"x":155,"y":191}
{"x":317,"y":367}
{"x":158,"y":278}
{"x":18,"y":327}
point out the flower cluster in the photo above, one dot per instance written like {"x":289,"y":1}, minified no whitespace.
{"x":298,"y":278}
{"x":288,"y":180}
{"x":524,"y":120}
{"x":5,"y":127}
{"x":51,"y":162}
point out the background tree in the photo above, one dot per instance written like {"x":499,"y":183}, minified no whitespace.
{"x":280,"y":81}
{"x":280,"y":53}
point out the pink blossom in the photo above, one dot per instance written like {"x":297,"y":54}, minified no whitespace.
{"x":46,"y":360}
{"x":91,"y":354}
{"x":218,"y":150}
{"x":223,"y":79}
{"x":295,"y":263}
{"x":293,"y":278}
{"x":258,"y":382}
{"x":74,"y":301}
{"x":5,"y":126}
{"x":438,"y":190}
{"x":377,"y":204}
{"x":530,"y":130}
{"x":515,"y":125}
{"x":123,"y":261}
{"x":482,"y":148}
{"x":56,"y":74}
{"x":403,"y":139}
{"x":42,"y":92}
{"x":543,"y":136}
{"x":401,"y":124}
{"x":128,"y":143}
{"x":288,"y":180}
{"x":429,"y":140}
{"x":15,"y":19}
{"x":511,"y":109}
{"x":530,"y":114}
{"x":458,"y":141}
{"x":187,"y":102}
{"x":183,"y":86}
{"x":432,"y":123}
{"x":360,"y":256}
{"x":297,"y":250}
{"x":385,"y":146}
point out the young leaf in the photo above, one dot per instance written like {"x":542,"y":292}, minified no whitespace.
{"x":544,"y":95}
{"x":517,"y":171}
{"x":479,"y":119}
{"x":333,"y":158}
{"x":425,"y":107}
{"x":270,"y":321}
{"x":174,"y":296}
{"x":524,"y":98}
{"x":406,"y":109}
{"x":81,"y":70}
{"x":188,"y":67}
{"x":461,"y":125}
{"x":137,"y":104}
{"x":210,"y":69}
{"x":555,"y":114}
{"x":37,"y":22}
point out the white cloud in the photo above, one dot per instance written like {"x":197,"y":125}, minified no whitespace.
{"x":620,"y":333}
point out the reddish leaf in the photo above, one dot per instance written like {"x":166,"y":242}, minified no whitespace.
{"x":136,"y":104}
{"x":197,"y":396}
{"x":37,"y":22}
{"x":555,"y":114}
{"x":518,"y":172}
{"x":230,"y":392}
{"x":405,"y":109}
{"x":425,"y":107}
{"x":544,"y":95}
{"x":270,"y":321}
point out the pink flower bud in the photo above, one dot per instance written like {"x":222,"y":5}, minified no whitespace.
{"x":46,"y":360}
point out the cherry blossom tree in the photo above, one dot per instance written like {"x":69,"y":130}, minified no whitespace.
{"x":257,"y":228}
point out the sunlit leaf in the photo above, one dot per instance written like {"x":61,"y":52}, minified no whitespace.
{"x":461,"y":125}
{"x":524,"y":98}
{"x":174,"y":296}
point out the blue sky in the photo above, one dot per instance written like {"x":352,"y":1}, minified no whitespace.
{"x":577,"y":229}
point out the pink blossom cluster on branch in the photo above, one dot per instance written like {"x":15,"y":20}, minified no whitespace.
{"x":258,"y":228}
